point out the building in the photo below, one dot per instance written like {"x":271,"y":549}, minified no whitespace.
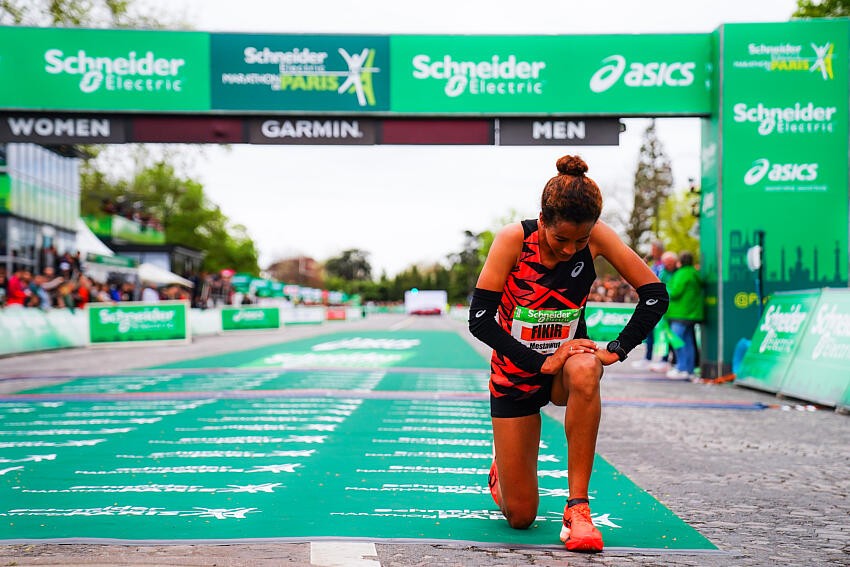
{"x":39,"y":204}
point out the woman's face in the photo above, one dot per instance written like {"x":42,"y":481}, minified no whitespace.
{"x":565,"y":238}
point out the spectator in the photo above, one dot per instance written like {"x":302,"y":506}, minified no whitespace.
{"x":51,"y":283}
{"x":18,"y":291}
{"x":38,"y":296}
{"x":687,"y":304}
{"x":4,"y":283}
{"x":83,"y":291}
{"x":150,"y":293}
{"x":663,"y":361}
{"x":65,"y":297}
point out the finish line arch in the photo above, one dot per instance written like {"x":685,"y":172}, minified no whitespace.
{"x":773,"y":99}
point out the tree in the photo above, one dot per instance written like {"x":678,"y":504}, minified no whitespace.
{"x":79,"y":13}
{"x":351,"y":265}
{"x":466,"y":264}
{"x":676,"y":222}
{"x":653,"y":184}
{"x":179,"y":204}
{"x":822,"y":9}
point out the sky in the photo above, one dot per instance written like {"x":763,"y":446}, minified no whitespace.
{"x":409,"y":205}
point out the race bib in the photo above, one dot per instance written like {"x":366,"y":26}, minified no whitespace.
{"x":544,"y":330}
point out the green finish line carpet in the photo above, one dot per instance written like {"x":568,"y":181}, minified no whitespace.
{"x":382,"y":453}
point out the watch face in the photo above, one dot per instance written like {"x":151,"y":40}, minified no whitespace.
{"x":613,"y":346}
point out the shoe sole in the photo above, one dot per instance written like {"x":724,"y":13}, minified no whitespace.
{"x":588,"y":545}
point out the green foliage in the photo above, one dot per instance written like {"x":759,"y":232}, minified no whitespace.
{"x":351,"y":265}
{"x":677,"y":223}
{"x":83,"y":13}
{"x":180,"y":205}
{"x":653,"y":184}
{"x":822,"y":9}
{"x":458,"y":279}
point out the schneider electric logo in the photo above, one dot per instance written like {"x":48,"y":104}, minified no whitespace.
{"x":494,"y":76}
{"x":801,"y":118}
{"x":134,"y":72}
{"x":303,"y":70}
{"x":789,"y":58}
{"x":249,"y":315}
{"x":639,"y":74}
{"x":762,"y":169}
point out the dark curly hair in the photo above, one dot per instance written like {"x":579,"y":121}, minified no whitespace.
{"x":571,"y":195}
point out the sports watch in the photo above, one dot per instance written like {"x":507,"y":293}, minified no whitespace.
{"x":614,"y":346}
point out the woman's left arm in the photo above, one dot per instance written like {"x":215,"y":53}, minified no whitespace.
{"x":652,"y":294}
{"x":605,"y":242}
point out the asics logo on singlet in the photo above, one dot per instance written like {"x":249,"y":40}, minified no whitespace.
{"x":651,"y":301}
{"x":577,"y":270}
{"x":480,"y":313}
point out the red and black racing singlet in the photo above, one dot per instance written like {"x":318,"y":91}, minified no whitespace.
{"x":541,"y":308}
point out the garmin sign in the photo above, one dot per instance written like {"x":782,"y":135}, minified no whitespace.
{"x":309,"y":131}
{"x":64,"y":129}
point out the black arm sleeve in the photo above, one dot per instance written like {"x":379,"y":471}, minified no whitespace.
{"x":483,"y":326}
{"x":651,"y":307}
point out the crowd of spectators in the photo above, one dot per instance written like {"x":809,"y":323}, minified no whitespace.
{"x":612,"y":289}
{"x":134,"y":211}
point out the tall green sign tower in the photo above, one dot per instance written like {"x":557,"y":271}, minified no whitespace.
{"x":774,"y":170}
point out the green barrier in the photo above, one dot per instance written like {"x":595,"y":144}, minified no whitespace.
{"x":29,"y":330}
{"x":819,"y":371}
{"x":139,"y":322}
{"x":776,"y":340}
{"x":845,"y":400}
{"x":606,"y":320}
{"x":243,"y":318}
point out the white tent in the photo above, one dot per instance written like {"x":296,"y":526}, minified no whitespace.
{"x":160,"y":276}
{"x":87,"y":242}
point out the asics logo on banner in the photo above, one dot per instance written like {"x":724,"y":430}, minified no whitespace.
{"x":594,"y":318}
{"x":780,"y":172}
{"x":651,"y":301}
{"x":797,"y":119}
{"x":652,"y":74}
{"x":479,"y":314}
{"x":577,"y":270}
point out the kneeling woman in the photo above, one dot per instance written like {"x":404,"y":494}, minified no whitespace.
{"x":528,"y":306}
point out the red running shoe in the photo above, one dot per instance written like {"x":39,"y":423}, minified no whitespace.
{"x":493,"y":483}
{"x":578,"y":532}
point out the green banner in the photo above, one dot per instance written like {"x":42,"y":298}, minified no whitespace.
{"x":133,"y":322}
{"x":784,"y":147}
{"x":776,"y":340}
{"x":5,"y":193}
{"x":819,"y":371}
{"x":605,"y":320}
{"x":299,"y":72}
{"x":241,"y":318}
{"x":76,"y":69}
{"x":600,"y":74}
{"x":116,"y":261}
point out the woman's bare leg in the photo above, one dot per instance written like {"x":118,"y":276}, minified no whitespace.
{"x":516,"y":440}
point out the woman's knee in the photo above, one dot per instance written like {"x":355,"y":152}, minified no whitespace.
{"x":520,"y":517}
{"x":583,"y":374}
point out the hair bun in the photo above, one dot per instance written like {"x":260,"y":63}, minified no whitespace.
{"x":571,"y":165}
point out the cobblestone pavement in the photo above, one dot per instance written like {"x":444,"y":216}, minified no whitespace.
{"x":768,"y":486}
